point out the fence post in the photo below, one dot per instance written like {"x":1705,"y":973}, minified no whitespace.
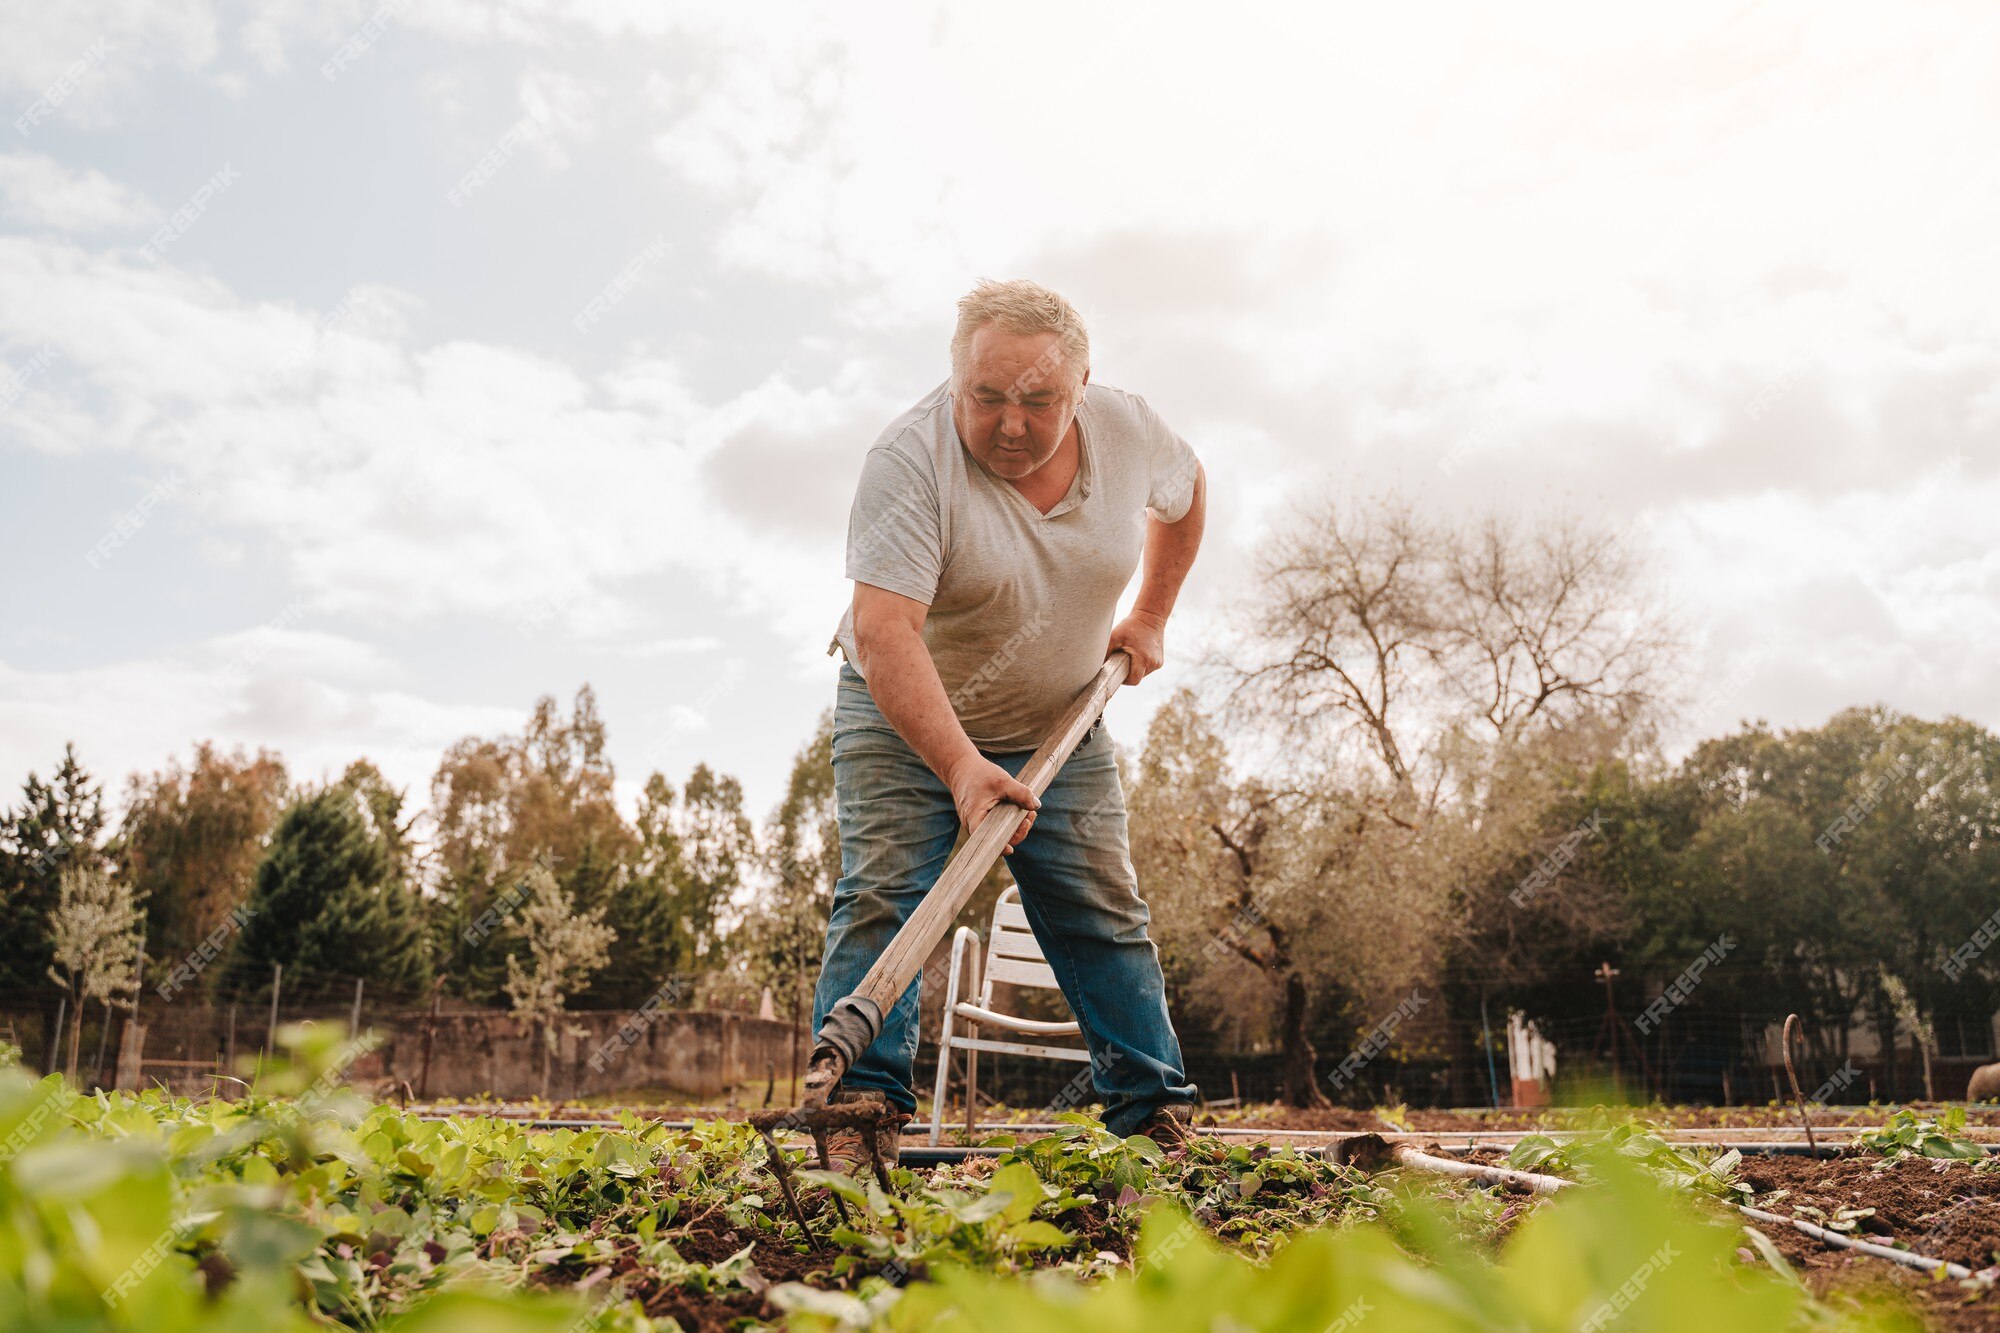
{"x":430,"y":1034}
{"x":271,"y":1035}
{"x":354,"y":1021}
{"x":54,"y":1047}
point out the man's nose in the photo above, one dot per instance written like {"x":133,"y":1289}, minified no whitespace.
{"x":1013,"y":422}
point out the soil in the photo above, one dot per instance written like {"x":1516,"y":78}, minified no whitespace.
{"x":1339,"y":1119}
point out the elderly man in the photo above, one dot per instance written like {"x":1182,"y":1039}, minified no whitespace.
{"x":995,"y":527}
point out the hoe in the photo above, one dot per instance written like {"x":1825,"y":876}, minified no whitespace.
{"x":856,"y":1020}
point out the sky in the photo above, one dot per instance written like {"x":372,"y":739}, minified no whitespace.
{"x":370,"y":370}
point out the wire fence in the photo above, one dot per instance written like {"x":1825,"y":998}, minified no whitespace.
{"x":1440,"y":1058}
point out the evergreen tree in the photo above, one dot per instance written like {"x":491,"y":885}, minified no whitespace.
{"x":332,"y":893}
{"x":652,"y":948}
{"x":58,"y":824}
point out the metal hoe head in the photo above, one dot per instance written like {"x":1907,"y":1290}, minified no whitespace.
{"x":816,"y":1117}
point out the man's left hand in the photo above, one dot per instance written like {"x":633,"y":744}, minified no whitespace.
{"x":1144,"y":636}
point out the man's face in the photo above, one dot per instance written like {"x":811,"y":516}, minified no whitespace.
{"x":1013,"y":402}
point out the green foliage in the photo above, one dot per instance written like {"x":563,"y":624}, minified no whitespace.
{"x":192,"y":838}
{"x":59,"y":823}
{"x":993,"y":1229}
{"x":300,"y":1206}
{"x":1908,"y":1134}
{"x":1619,"y":1250}
{"x":1642,"y":1143}
{"x":331,"y":894}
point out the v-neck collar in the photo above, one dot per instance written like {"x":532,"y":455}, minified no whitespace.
{"x":1079,"y":486}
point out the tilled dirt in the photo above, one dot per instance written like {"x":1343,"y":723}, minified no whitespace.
{"x":1943,"y":1209}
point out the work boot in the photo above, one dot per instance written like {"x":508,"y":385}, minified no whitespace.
{"x":1167,"y":1126}
{"x":847,"y":1150}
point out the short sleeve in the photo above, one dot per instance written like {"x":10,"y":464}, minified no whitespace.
{"x":895,"y":531}
{"x":1174,"y":467}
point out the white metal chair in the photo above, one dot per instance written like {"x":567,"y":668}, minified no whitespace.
{"x":1013,"y":955}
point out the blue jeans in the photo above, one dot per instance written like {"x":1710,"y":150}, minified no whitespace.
{"x":897,"y":827}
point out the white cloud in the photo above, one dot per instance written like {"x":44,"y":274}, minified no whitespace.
{"x":128,"y":716}
{"x":79,"y":63}
{"x":1720,"y":267}
{"x":42,"y":192}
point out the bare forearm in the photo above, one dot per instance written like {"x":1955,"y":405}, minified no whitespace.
{"x":1170,"y":552}
{"x":905,"y":685}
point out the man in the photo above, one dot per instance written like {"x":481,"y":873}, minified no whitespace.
{"x":996,"y":525}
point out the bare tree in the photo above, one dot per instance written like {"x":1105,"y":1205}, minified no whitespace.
{"x":1552,"y":623}
{"x":94,"y":928}
{"x":1372,"y":623}
{"x":566,"y":947}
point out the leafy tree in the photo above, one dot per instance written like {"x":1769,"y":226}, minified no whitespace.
{"x":1259,"y":893}
{"x":502,"y":805}
{"x":784,"y":934}
{"x":192,"y":838}
{"x":58,"y":823}
{"x":564,"y":946}
{"x":718,"y":845}
{"x":94,"y":930}
{"x":331,"y":894}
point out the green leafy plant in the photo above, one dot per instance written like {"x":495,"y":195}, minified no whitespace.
{"x":1908,"y":1134}
{"x":1642,"y":1143}
{"x":1620,"y":1249}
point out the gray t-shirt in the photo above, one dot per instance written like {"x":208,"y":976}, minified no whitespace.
{"x":1021,"y":602}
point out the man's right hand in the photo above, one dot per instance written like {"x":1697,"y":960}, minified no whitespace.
{"x":978,"y":784}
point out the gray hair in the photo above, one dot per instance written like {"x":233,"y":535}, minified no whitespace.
{"x":1022,"y":307}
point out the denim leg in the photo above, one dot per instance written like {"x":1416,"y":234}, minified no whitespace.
{"x":897,"y":826}
{"x":1082,"y":898}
